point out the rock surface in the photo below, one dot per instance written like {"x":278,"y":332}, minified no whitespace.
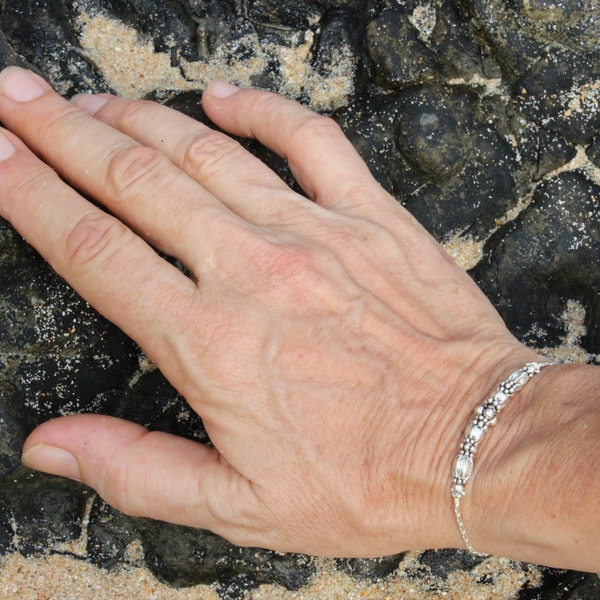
{"x":481,"y":116}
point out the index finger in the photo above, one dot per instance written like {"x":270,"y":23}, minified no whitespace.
{"x":320,"y":156}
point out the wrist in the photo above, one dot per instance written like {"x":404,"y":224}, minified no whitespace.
{"x":485,"y":417}
{"x":534,"y":493}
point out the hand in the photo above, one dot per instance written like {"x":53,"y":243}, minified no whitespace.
{"x":332,"y":349}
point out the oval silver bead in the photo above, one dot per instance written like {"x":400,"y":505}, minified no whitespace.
{"x":463,"y":467}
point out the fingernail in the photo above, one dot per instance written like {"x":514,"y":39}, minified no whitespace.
{"x":21,"y":85}
{"x":6,"y":148}
{"x":53,"y":460}
{"x":221,"y":89}
{"x":91,"y":103}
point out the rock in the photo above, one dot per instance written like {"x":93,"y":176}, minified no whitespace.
{"x":564,"y":585}
{"x":372,"y":569}
{"x":442,"y":563}
{"x":43,"y":36}
{"x":183,"y":556}
{"x":545,"y":257}
{"x":438,"y":150}
{"x":110,"y":534}
{"x":519,"y":32}
{"x":46,"y":511}
{"x":542,"y":151}
{"x":561,"y":91}
{"x":593,"y":151}
{"x":423,"y":42}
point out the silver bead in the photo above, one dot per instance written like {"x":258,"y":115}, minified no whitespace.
{"x":500,"y":398}
{"x":489,"y":412}
{"x":518,"y":379}
{"x":463,"y":467}
{"x":474,"y":432}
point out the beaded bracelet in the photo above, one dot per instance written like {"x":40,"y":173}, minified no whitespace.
{"x":485,"y":416}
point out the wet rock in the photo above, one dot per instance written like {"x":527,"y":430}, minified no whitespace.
{"x":548,"y":255}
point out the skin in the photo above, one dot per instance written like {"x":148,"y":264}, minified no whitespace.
{"x":332,"y":349}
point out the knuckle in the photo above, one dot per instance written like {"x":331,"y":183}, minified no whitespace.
{"x":204,"y":154}
{"x":314,"y":127}
{"x":134,"y":169}
{"x":61,"y":120}
{"x":94,"y":238}
{"x":33,"y":182}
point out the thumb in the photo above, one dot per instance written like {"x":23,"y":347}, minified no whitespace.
{"x":139,"y":472}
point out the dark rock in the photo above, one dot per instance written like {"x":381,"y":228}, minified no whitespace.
{"x":442,"y":563}
{"x":46,"y":510}
{"x":412,"y":42}
{"x":109,"y":534}
{"x":153,"y":402}
{"x":373,"y":569}
{"x":6,"y":532}
{"x":170,"y":27}
{"x":560,"y":91}
{"x":542,"y":151}
{"x":518,"y":32}
{"x":437,"y":149}
{"x":15,"y":425}
{"x":399,"y":55}
{"x":564,"y":585}
{"x":43,"y":36}
{"x":544,"y":258}
{"x":182,"y":556}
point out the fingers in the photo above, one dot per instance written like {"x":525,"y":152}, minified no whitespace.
{"x":214,"y":160}
{"x":101,"y":258}
{"x":142,"y":473}
{"x":321,"y":158}
{"x":137,"y":183}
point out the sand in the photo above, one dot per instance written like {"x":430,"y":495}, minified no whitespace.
{"x":133,"y":69}
{"x":63,"y":578}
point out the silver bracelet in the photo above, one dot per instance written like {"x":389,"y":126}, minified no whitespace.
{"x":485,"y":416}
